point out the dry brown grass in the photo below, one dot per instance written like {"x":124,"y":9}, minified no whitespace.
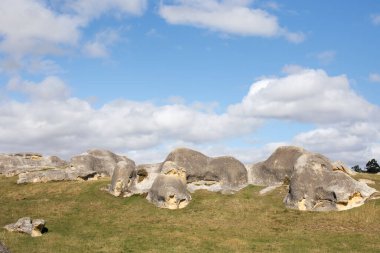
{"x":81,"y":218}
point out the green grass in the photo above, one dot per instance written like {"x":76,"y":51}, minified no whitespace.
{"x":81,"y":218}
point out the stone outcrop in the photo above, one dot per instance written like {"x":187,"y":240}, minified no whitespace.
{"x":68,"y":174}
{"x":204,"y":172}
{"x":315,"y":183}
{"x":123,"y":178}
{"x":14,"y":164}
{"x":28,"y":226}
{"x":315,"y":186}
{"x":169,"y":188}
{"x":277,"y":168}
{"x":101,"y":161}
{"x":3,"y":249}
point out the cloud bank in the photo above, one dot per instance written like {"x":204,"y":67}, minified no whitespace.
{"x":48,"y":119}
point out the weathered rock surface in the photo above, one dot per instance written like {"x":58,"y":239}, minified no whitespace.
{"x":315,"y":186}
{"x":277,"y":168}
{"x":101,"y":161}
{"x":14,"y":164}
{"x":27,"y":225}
{"x":169,"y":188}
{"x":339,"y":165}
{"x":145,"y":176}
{"x":3,"y":249}
{"x":68,"y":174}
{"x":209,"y":173}
{"x":123,"y":178}
{"x":366,"y":181}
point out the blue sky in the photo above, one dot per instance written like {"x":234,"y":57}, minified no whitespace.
{"x":235,"y":77}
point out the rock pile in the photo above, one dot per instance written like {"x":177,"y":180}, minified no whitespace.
{"x":168,"y":183}
{"x":14,"y":164}
{"x":315,"y":183}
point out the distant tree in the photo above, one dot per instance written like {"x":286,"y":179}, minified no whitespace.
{"x":357,"y":169}
{"x":372,"y":167}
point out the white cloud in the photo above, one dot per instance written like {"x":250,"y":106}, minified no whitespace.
{"x":50,"y":121}
{"x":374,"y":77}
{"x":231,"y":17}
{"x":306,"y":95}
{"x":375,"y":19}
{"x":29,"y":27}
{"x":98,"y":48}
{"x":90,"y":9}
{"x":353,"y":144}
{"x":32,"y":28}
{"x":51,"y":88}
{"x":326,"y":57}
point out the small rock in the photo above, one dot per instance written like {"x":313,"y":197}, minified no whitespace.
{"x":3,"y":249}
{"x":269,"y":189}
{"x":26,"y":225}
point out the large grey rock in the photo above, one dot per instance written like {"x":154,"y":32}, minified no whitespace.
{"x":68,"y":174}
{"x":3,"y":249}
{"x":101,"y":161}
{"x":123,"y":178}
{"x":315,"y":186}
{"x":169,"y":188}
{"x":169,"y":192}
{"x":209,"y":173}
{"x":27,"y":225}
{"x":14,"y":164}
{"x":277,"y":168}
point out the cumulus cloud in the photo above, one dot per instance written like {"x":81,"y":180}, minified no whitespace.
{"x":230,"y":17}
{"x":33,"y":28}
{"x":374,"y":77}
{"x":306,"y":95}
{"x":28,"y":26}
{"x":51,"y":88}
{"x":50,"y":120}
{"x":353,"y":144}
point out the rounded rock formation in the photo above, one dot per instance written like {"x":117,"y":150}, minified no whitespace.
{"x":203,"y":172}
{"x":123,"y":178}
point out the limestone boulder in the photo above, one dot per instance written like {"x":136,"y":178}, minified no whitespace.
{"x":316,"y":186}
{"x":169,"y":191}
{"x":3,"y":249}
{"x":277,"y":168}
{"x":14,"y":164}
{"x":204,"y":172}
{"x":101,"y":161}
{"x":26,"y":225}
{"x":68,"y":174}
{"x":123,"y":178}
{"x":146,"y":174}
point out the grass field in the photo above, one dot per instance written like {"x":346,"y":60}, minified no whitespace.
{"x":81,"y":218}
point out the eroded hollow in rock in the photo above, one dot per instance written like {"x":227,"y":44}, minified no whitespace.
{"x":141,"y":175}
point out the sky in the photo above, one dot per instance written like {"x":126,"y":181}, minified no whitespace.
{"x":225,"y":77}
